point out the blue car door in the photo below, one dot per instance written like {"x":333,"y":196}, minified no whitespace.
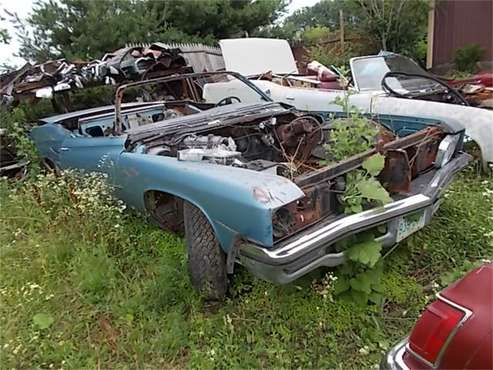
{"x":49,"y":139}
{"x":91,"y":153}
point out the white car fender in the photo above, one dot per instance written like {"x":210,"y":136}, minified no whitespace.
{"x":477,"y":122}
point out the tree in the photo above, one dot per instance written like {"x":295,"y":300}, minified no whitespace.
{"x":325,"y":14}
{"x":87,"y":29}
{"x":219,"y":18}
{"x":397,"y":24}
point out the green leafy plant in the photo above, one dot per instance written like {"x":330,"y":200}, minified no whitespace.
{"x":43,"y":320}
{"x":353,"y":135}
{"x":350,"y":135}
{"x":467,"y":57}
{"x":14,"y":123}
{"x":359,"y":279}
{"x":363,"y":188}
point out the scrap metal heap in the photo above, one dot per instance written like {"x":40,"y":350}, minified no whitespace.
{"x":126,"y":64}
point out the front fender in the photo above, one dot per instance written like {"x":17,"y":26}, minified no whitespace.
{"x":236,"y":201}
{"x":478,"y":122}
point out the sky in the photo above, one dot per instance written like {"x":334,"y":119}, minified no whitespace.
{"x":23,"y":7}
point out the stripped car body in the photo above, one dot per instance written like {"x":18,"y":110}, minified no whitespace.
{"x":253,"y":170}
{"x":418,"y":94}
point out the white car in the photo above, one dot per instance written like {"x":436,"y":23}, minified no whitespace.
{"x":407,"y":91}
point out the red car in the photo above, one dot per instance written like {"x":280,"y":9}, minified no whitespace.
{"x":455,"y":331}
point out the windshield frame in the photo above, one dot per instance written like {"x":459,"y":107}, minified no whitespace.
{"x":118,"y":127}
{"x":356,"y":83}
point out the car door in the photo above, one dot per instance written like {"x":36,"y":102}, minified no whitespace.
{"x":98,"y":154}
{"x":48,"y":139}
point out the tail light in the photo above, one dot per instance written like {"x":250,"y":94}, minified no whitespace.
{"x":435,"y":328}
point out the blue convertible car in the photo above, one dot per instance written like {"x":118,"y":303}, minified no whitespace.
{"x":246,"y":182}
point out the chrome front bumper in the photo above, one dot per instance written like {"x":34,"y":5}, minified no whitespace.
{"x":309,"y":250}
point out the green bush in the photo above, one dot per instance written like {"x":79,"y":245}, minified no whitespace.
{"x":16,"y":126}
{"x":467,"y":57}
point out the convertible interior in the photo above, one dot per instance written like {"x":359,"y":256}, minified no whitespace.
{"x":142,"y":106}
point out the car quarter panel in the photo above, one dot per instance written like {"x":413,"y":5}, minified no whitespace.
{"x":91,"y":153}
{"x":237,"y":202}
{"x":474,"y":292}
{"x":49,"y":139}
{"x":71,"y":150}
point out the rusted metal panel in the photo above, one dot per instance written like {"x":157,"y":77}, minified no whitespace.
{"x":406,"y":143}
{"x":459,"y":23}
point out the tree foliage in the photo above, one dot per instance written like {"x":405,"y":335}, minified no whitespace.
{"x":87,"y":29}
{"x":394,"y":25}
{"x":397,"y":24}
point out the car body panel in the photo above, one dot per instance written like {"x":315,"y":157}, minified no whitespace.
{"x":49,"y":139}
{"x":474,"y":292}
{"x":91,"y":153}
{"x":471,"y":346}
{"x":219,"y":191}
{"x":253,"y":56}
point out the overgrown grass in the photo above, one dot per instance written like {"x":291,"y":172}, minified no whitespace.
{"x":118,"y":293}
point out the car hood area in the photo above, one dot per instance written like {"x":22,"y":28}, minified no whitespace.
{"x":214,"y":117}
{"x":269,"y":55}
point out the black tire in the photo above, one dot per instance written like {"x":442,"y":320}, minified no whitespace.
{"x":206,"y":259}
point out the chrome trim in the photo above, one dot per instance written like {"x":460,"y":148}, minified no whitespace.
{"x":399,"y":358}
{"x":467,"y":314}
{"x":428,"y":363}
{"x":394,"y":359}
{"x":447,"y":146}
{"x":303,"y":253}
{"x":341,"y":227}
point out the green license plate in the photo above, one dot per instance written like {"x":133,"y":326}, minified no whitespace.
{"x":410,"y":224}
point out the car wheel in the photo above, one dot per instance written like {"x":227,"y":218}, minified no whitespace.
{"x":206,"y":259}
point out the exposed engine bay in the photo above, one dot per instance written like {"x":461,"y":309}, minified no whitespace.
{"x":293,"y":146}
{"x":284,"y":145}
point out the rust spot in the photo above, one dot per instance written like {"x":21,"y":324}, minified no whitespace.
{"x":396,"y":175}
{"x":300,"y":137}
